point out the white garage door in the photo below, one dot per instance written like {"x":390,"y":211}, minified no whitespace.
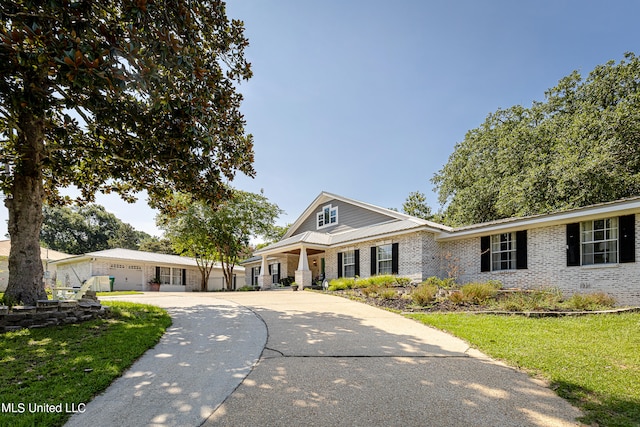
{"x":127,"y":277}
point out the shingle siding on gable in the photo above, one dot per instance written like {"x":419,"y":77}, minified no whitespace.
{"x":547,"y":267}
{"x":349,"y":217}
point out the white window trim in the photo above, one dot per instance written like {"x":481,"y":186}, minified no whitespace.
{"x":172,"y":272}
{"x":352,"y":253}
{"x":512,"y":252}
{"x":275,"y":271}
{"x":584,"y":243}
{"x":320,"y":219}
{"x":380,"y":260}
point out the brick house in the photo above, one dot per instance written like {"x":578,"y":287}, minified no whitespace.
{"x":587,"y":249}
{"x":132,"y":270}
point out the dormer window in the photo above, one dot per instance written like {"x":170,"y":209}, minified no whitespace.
{"x":327,"y":216}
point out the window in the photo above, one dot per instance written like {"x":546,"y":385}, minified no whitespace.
{"x":165,"y":275}
{"x":349,"y":264}
{"x":177,"y":276}
{"x":385,"y":258}
{"x":503,"y":251}
{"x":255,"y":274}
{"x":599,"y":241}
{"x":602,"y":241}
{"x":327,"y":216}
{"x":171,"y":276}
{"x":275,"y":272}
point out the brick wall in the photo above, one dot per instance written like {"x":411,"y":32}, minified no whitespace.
{"x":415,"y":251}
{"x":547,"y":267}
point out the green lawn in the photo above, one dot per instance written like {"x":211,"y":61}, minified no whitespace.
{"x":116,"y":293}
{"x":100,"y":294}
{"x":593,"y":361}
{"x":68,"y":365}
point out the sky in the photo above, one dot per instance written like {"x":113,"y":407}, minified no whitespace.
{"x":367,"y":99}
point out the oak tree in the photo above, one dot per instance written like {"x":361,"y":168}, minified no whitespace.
{"x":87,"y":228}
{"x":580,"y":146}
{"x":114,"y":96}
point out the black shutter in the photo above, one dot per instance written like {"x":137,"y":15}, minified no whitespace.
{"x":573,"y":244}
{"x":184,"y":277}
{"x":339,"y":264}
{"x":485,"y":253}
{"x":269,"y":269}
{"x":374,"y":261}
{"x":157,"y":273}
{"x":521,"y":250}
{"x":394,"y":259}
{"x":279,"y":273}
{"x":356,"y":255}
{"x":627,"y":238}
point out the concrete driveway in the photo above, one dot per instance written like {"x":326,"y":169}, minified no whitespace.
{"x":283,"y":358}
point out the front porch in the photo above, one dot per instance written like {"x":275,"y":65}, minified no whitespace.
{"x":304,"y":264}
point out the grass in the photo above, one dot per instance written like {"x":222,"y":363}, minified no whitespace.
{"x":593,"y":361}
{"x":100,"y":294}
{"x":116,"y":293}
{"x":70,"y":364}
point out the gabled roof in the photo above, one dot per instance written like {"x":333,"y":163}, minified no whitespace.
{"x":397,"y":223}
{"x":140,"y":256}
{"x":45,"y":253}
{"x":326,"y":197}
{"x":585,"y":213}
{"x":400,"y":223}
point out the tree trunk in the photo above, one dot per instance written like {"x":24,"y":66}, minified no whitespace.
{"x":227,"y":271}
{"x":205,"y":271}
{"x":24,"y":204}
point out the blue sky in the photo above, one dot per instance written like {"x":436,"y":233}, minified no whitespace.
{"x":367,"y":98}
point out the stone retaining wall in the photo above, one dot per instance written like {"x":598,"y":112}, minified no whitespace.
{"x":50,"y":313}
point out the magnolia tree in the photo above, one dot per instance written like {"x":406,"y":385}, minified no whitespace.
{"x":220,"y":232}
{"x":114,"y":96}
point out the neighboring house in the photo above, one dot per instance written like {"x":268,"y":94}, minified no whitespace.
{"x":132,"y":270}
{"x":47,"y":256}
{"x":587,"y":249}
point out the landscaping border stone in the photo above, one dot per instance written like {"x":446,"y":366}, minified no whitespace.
{"x":50,"y":313}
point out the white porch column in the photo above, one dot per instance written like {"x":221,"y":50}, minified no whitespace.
{"x":303,"y":274}
{"x":264,"y":280}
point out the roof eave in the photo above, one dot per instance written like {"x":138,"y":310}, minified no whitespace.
{"x":546,"y":220}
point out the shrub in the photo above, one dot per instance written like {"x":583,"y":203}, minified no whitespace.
{"x":480,"y":293}
{"x":385,"y":280}
{"x":456,"y":297}
{"x":370,"y":291}
{"x":440,"y":283}
{"x":538,"y":299}
{"x":388,"y":293}
{"x":594,"y":301}
{"x":403,"y":281}
{"x":359,"y":283}
{"x":341,"y":284}
{"x":424,"y":294}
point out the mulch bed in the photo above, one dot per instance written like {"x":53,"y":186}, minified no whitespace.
{"x":406,"y":305}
